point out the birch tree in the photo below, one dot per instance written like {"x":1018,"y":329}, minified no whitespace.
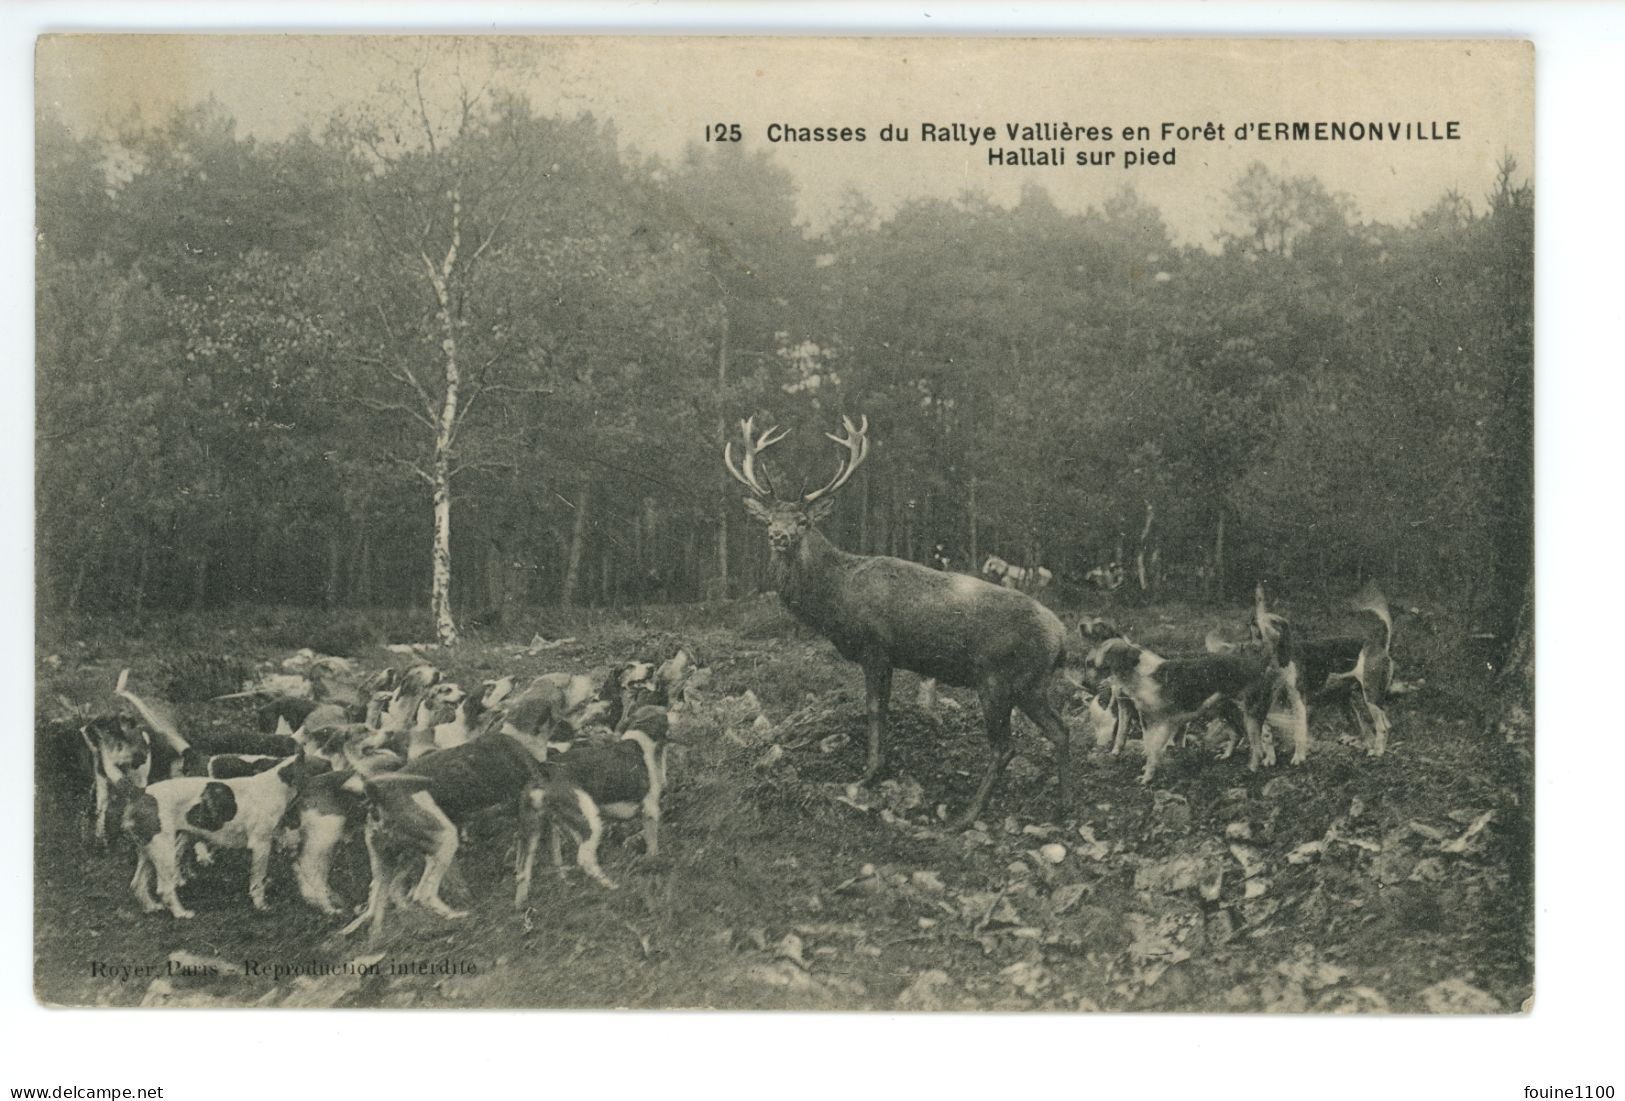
{"x":445,"y":166}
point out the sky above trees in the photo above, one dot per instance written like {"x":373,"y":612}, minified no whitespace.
{"x":661,"y":93}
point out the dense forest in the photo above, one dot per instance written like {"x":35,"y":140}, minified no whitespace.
{"x":305,"y":371}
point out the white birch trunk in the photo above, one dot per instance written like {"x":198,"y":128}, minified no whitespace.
{"x":445,"y":625}
{"x":445,"y":431}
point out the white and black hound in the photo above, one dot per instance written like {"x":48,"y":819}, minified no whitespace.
{"x":242,"y":813}
{"x":1168,"y":692}
{"x":1111,"y":713}
{"x":413,"y":816}
{"x":576,"y":790}
{"x":1356,"y":671}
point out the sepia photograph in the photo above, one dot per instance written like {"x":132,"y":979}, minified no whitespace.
{"x":901,"y":524}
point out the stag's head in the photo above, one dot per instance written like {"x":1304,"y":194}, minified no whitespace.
{"x":789,"y":519}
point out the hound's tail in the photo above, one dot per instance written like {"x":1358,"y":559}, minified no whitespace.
{"x":152,"y":715}
{"x":1275,"y":630}
{"x":1370,"y":599}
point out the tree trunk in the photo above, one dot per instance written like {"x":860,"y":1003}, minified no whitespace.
{"x":363,"y":585}
{"x":1139,"y":556}
{"x":440,"y":587}
{"x":863,"y":516}
{"x":330,"y":589}
{"x":91,"y":555}
{"x":722,"y":435}
{"x":578,"y":540}
{"x":1218,"y":557}
{"x":77,"y":585}
{"x":200,"y":577}
{"x":446,"y":426}
{"x":975,"y":565}
{"x":140,"y":596}
{"x":691,"y":556}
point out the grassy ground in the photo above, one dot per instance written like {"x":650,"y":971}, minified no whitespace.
{"x":1345,"y":884}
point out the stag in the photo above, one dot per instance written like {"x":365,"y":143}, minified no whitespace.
{"x":885,"y":613}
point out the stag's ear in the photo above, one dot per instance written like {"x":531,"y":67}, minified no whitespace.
{"x":758,"y":511}
{"x":819,"y":510}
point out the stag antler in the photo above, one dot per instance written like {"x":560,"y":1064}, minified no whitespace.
{"x":754,"y":446}
{"x":856,"y":443}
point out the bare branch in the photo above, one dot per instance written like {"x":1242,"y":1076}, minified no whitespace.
{"x":413,"y":467}
{"x":423,"y":108}
{"x":399,"y":373}
{"x":389,"y":330}
{"x":396,"y":407}
{"x":504,"y":388}
{"x":508,"y":465}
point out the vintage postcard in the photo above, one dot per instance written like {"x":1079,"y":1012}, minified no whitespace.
{"x":902,"y":524}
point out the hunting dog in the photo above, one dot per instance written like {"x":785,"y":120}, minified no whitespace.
{"x":574,"y":792}
{"x":413,"y":816}
{"x":328,"y":813}
{"x":241,"y":813}
{"x":555,"y":707}
{"x":329,"y":809}
{"x":1356,"y":671}
{"x":1168,"y":692}
{"x":176,"y":754}
{"x":121,"y":762}
{"x":1111,"y":713}
{"x":396,"y":714}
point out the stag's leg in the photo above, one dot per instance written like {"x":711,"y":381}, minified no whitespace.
{"x":877,"y":686}
{"x":996,"y":704}
{"x":1036,"y":706}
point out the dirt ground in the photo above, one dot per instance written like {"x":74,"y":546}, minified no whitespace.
{"x":1347,"y":884}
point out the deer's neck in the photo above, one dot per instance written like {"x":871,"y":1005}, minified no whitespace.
{"x":811,"y":582}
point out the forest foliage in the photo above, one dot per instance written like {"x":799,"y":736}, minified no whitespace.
{"x":237,"y":349}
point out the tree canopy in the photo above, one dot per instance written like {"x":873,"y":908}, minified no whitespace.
{"x":238,"y":357}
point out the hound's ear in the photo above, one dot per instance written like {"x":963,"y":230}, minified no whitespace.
{"x":758,"y":511}
{"x":819,"y":510}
